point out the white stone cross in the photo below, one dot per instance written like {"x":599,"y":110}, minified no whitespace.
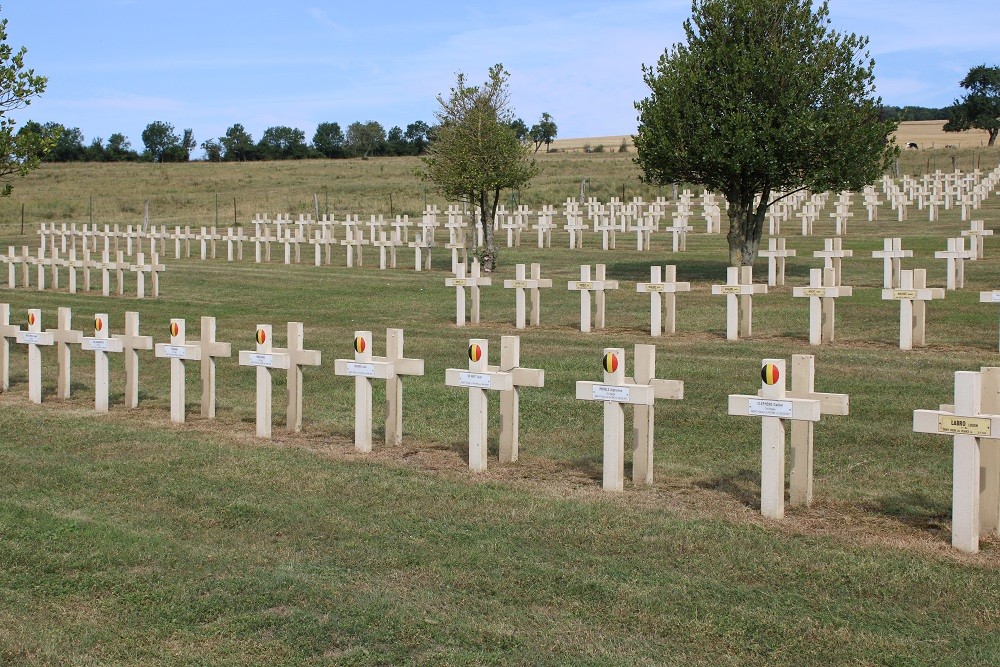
{"x":968,"y":424}
{"x":132,"y":342}
{"x":101,"y":344}
{"x":64,"y":335}
{"x":363,"y":368}
{"x":34,"y":337}
{"x":822,"y":293}
{"x":478,"y":380}
{"x":956,"y":254}
{"x":833,"y":254}
{"x":662,"y":289}
{"x":473,"y":282}
{"x":8,"y":332}
{"x":773,"y":405}
{"x":643,"y":422}
{"x":739,"y":290}
{"x":423,"y":241}
{"x":210,"y":349}
{"x":519,"y":284}
{"x":776,"y":254}
{"x":585,"y":286}
{"x":977,"y":237}
{"x":800,"y":485}
{"x":264,"y":358}
{"x":402,"y":366}
{"x":990,"y":297}
{"x":297,"y":358}
{"x":178,"y":350}
{"x":614,"y":392}
{"x":510,"y":399}
{"x":913,"y":295}
{"x":891,"y":254}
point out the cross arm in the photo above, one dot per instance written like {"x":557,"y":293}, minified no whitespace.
{"x":796,"y":409}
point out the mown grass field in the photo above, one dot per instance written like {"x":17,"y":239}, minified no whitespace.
{"x":125,"y":540}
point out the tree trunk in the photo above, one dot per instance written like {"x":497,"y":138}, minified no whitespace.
{"x":488,"y":213}
{"x":746,"y":224}
{"x":993,"y":136}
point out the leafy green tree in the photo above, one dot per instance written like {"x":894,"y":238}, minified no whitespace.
{"x":238,"y":145}
{"x":160,"y":141}
{"x":543,"y":132}
{"x":980,"y":107}
{"x":283,"y":143}
{"x":329,"y":140}
{"x":365,"y":139}
{"x":19,"y":152}
{"x":69,"y":146}
{"x":119,"y":149}
{"x":395,"y":142}
{"x":520,"y":129}
{"x":45,"y":135}
{"x":763,"y":100}
{"x":417,"y":136}
{"x":95,"y":151}
{"x":476,"y":154}
{"x":213,"y":150}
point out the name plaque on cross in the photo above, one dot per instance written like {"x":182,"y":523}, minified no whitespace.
{"x":266,"y":360}
{"x":730,"y":289}
{"x":29,"y":337}
{"x":904,"y":294}
{"x":764,"y":408}
{"x":604,"y":392}
{"x":93,"y":344}
{"x":174,"y":352}
{"x":476,"y":380}
{"x":965,"y":426}
{"x":360,"y":370}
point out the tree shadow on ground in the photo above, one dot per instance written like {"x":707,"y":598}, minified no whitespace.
{"x":743,"y":485}
{"x":693,"y":269}
{"x":913,"y":509}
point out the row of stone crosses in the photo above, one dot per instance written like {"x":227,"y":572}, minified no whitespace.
{"x":973,"y":421}
{"x":70,"y":246}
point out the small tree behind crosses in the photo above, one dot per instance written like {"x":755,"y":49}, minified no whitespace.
{"x":764,"y":98}
{"x":20,"y":152}
{"x":475,"y":153}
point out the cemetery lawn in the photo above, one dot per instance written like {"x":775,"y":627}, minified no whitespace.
{"x":126,"y":540}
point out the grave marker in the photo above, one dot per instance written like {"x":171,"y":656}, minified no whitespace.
{"x":178,"y":350}
{"x":101,"y":344}
{"x":363,"y":368}
{"x":132,"y":342}
{"x":478,"y":380}
{"x":64,"y":336}
{"x":913,"y":295}
{"x":34,"y":337}
{"x":585,"y":286}
{"x":662,"y":289}
{"x":773,"y":406}
{"x":264,"y":358}
{"x":473,"y":282}
{"x":822,"y":293}
{"x":739,"y":290}
{"x":8,"y":332}
{"x":210,"y":349}
{"x":533,"y":284}
{"x":776,"y":254}
{"x":297,"y":358}
{"x":510,"y":399}
{"x":967,"y":423}
{"x":891,"y":254}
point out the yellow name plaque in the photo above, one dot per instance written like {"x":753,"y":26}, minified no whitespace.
{"x":976,"y":426}
{"x":731,"y":289}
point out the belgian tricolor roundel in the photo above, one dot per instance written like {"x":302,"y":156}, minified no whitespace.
{"x":174,"y":329}
{"x":98,"y":324}
{"x":610,"y":362}
{"x":359,"y":344}
{"x":475,"y":352}
{"x":261,"y":336}
{"x":769,"y":373}
{"x":31,"y":318}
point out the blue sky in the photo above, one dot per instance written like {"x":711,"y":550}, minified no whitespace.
{"x":117,"y":65}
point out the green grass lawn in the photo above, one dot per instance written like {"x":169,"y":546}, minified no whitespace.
{"x":125,"y":539}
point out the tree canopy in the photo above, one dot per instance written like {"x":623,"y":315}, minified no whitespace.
{"x":20,"y":152}
{"x":543,"y":132}
{"x":980,"y":107}
{"x":475,"y":153}
{"x":762,"y":100}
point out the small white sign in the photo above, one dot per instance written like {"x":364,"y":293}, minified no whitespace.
{"x":474,"y":380}
{"x":256,"y":359}
{"x":174,"y":352}
{"x":97,"y":344}
{"x":30,"y":337}
{"x":361,"y":370}
{"x":607,"y":392}
{"x":760,"y":407}
{"x":996,"y":297}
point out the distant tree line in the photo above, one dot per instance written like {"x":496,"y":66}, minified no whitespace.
{"x":914,"y":113}
{"x":162,"y":143}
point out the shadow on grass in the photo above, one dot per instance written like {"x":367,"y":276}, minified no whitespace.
{"x":693,"y":269}
{"x":914,"y":509}
{"x":743,"y":485}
